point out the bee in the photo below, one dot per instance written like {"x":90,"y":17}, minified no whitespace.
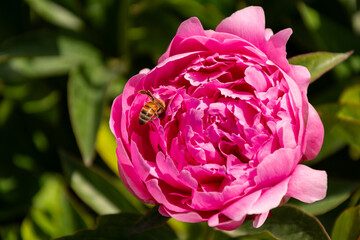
{"x":152,"y":108}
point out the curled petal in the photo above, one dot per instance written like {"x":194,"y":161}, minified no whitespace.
{"x":314,"y":134}
{"x":276,"y":48}
{"x":270,"y":198}
{"x":189,"y":28}
{"x":191,"y":217}
{"x":260,"y":219}
{"x":127,"y":171}
{"x":307,"y":185}
{"x":277,"y":166}
{"x":164,"y":194}
{"x":301,"y":75}
{"x":237,"y":210}
{"x":248,"y":23}
{"x":115,"y":116}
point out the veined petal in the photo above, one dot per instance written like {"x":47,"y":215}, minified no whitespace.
{"x":307,"y":185}
{"x":189,"y":28}
{"x":276,"y":48}
{"x":248,"y":23}
{"x":314,"y":134}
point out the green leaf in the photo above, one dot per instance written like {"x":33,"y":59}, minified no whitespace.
{"x":11,"y":232}
{"x":338,"y":192}
{"x":49,"y":43}
{"x":56,"y":14}
{"x":310,"y":16}
{"x":44,"y":54}
{"x":320,"y":29}
{"x":120,"y":226}
{"x":258,"y":236}
{"x":53,"y":213}
{"x":319,"y":63}
{"x":86,"y":100}
{"x":287,"y":222}
{"x":218,"y":235}
{"x":19,"y":68}
{"x":331,"y":144}
{"x":95,"y":188}
{"x":354,"y":152}
{"x":355,"y":199}
{"x":151,"y":219}
{"x":351,"y":95}
{"x":342,"y":124}
{"x":347,"y":225}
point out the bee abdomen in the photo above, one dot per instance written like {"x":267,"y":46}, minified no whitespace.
{"x":147,"y":112}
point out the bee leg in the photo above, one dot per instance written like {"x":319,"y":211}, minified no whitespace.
{"x":154,"y":117}
{"x":147,"y":93}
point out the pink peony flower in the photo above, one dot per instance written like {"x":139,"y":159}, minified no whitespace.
{"x":235,"y":129}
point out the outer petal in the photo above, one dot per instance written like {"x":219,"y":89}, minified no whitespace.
{"x":168,"y":69}
{"x":182,"y":216}
{"x":314,"y":134}
{"x":260,"y":219}
{"x":276,"y":48}
{"x":301,"y":76}
{"x":122,"y":123}
{"x":130,"y":89}
{"x":189,"y":28}
{"x":307,"y":185}
{"x":277,"y":166}
{"x":230,"y":225}
{"x":238,"y":210}
{"x":248,"y":23}
{"x":165,"y":195}
{"x":115,"y":117}
{"x":130,"y":177}
{"x":270,"y":198}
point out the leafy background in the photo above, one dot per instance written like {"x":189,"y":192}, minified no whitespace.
{"x":62,"y":62}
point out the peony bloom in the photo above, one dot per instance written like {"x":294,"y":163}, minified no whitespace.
{"x":235,"y":129}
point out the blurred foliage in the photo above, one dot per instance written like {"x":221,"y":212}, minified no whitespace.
{"x":62,"y":63}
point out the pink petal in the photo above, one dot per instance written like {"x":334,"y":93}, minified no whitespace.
{"x":302,"y":76}
{"x":268,"y":33}
{"x":307,"y":185}
{"x":141,"y":166}
{"x":277,"y":166}
{"x":170,"y":174}
{"x":314,"y":134}
{"x":276,"y":48}
{"x":270,"y":198}
{"x":130,"y":177}
{"x":237,"y":210}
{"x":169,"y":69}
{"x":248,"y":23}
{"x":207,"y":201}
{"x":177,"y":152}
{"x":128,"y":96}
{"x":297,"y":97}
{"x":130,"y":91}
{"x":260,"y":219}
{"x":164,"y":194}
{"x":115,"y":116}
{"x":256,"y":79}
{"x":191,"y":217}
{"x":229,"y":225}
{"x":188,"y":28}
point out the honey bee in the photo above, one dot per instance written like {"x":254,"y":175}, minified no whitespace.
{"x":152,"y":108}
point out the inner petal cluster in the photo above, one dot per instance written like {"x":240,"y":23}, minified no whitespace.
{"x":224,"y":114}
